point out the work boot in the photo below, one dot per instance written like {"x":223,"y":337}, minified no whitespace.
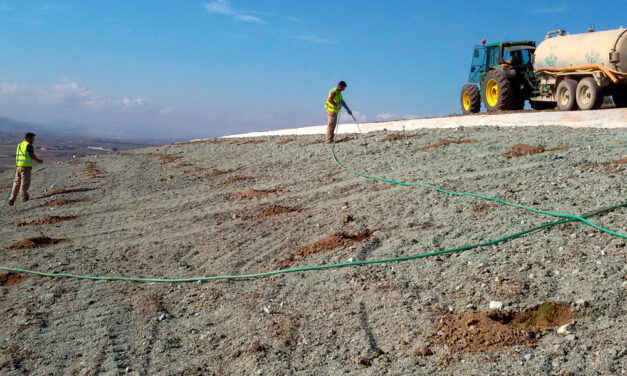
{"x":11,"y":203}
{"x":25,"y":198}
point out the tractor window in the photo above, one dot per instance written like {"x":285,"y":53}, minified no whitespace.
{"x":517,"y":56}
{"x":493,"y":54}
{"x":478,"y":64}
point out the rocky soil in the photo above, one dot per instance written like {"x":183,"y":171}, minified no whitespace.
{"x":550,"y":302}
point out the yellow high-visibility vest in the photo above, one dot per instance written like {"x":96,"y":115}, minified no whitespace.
{"x":336,"y":106}
{"x":22,"y":156}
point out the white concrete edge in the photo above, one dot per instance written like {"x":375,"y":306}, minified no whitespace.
{"x":606,"y":118}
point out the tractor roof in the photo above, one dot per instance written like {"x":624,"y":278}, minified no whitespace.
{"x":513,"y":43}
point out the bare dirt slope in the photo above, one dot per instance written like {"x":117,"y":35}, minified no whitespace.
{"x":250,"y":205}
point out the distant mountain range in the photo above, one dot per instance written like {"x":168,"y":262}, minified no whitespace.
{"x":55,"y":143}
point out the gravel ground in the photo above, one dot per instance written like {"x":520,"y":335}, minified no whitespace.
{"x":241,"y":206}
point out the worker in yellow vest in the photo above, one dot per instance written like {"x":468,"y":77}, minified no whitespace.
{"x":333,"y":106}
{"x":24,"y":157}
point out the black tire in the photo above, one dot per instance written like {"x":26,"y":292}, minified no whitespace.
{"x":589,"y":95}
{"x":620,"y":99}
{"x":472,"y":103}
{"x":566,"y":95}
{"x":503,"y":97}
{"x":538,"y":105}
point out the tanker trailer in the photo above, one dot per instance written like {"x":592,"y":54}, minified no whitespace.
{"x":578,"y":70}
{"x":570,"y":71}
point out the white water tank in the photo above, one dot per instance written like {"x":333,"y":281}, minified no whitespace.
{"x":607,"y":48}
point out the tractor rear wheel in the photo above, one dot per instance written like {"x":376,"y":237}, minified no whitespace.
{"x":589,"y":96}
{"x":498,"y":93}
{"x":620,"y":99}
{"x":470,"y":99}
{"x":565,"y":95}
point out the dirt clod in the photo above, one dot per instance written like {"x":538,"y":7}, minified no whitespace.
{"x":396,"y":137}
{"x":62,"y":202}
{"x":328,"y":243}
{"x":215,"y":173}
{"x":235,"y":179}
{"x":38,"y":242}
{"x":195,"y":169}
{"x":442,"y":143}
{"x":495,"y":330}
{"x":49,"y":220}
{"x":273,"y":210}
{"x":285,"y":141}
{"x":93,"y":171}
{"x":67,"y":190}
{"x":521,"y":150}
{"x":11,"y":279}
{"x":252,"y":193}
{"x":314,"y":142}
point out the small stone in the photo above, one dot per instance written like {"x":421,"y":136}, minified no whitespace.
{"x":380,"y":235}
{"x":266,"y":310}
{"x":564,"y":329}
{"x":624,"y":284}
{"x":581,"y":302}
{"x":558,"y":350}
{"x":528,"y":357}
{"x":570,"y":337}
{"x":47,"y":298}
{"x":347,"y":218}
{"x":470,"y":306}
{"x":496,"y":305}
{"x":531,"y":276}
{"x":161,"y":317}
{"x":350,"y":259}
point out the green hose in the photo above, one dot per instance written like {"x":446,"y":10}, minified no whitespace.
{"x":417,"y":184}
{"x":569,"y":218}
{"x":315,"y":267}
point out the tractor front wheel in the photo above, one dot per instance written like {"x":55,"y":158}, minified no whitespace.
{"x":470,"y":99}
{"x":498,"y":93}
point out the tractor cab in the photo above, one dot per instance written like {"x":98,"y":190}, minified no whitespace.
{"x":510,"y":67}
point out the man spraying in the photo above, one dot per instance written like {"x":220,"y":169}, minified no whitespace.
{"x":333,"y":107}
{"x":24,"y":157}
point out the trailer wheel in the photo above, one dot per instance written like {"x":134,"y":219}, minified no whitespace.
{"x":498,"y":93}
{"x":620,"y":99}
{"x":589,"y":96}
{"x":565,"y":95}
{"x":470,"y":99}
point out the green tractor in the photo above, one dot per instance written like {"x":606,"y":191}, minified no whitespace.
{"x":501,"y":76}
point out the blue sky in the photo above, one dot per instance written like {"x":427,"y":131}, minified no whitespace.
{"x":208,"y":68}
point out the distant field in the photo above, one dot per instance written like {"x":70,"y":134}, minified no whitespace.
{"x":56,"y":149}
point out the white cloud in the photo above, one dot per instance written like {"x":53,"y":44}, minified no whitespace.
{"x":314,"y":39}
{"x":67,"y":95}
{"x":360,"y":117}
{"x":7,"y":89}
{"x":219,"y":7}
{"x":224,"y":7}
{"x":556,"y":9}
{"x":245,"y":18}
{"x":385,"y":116}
